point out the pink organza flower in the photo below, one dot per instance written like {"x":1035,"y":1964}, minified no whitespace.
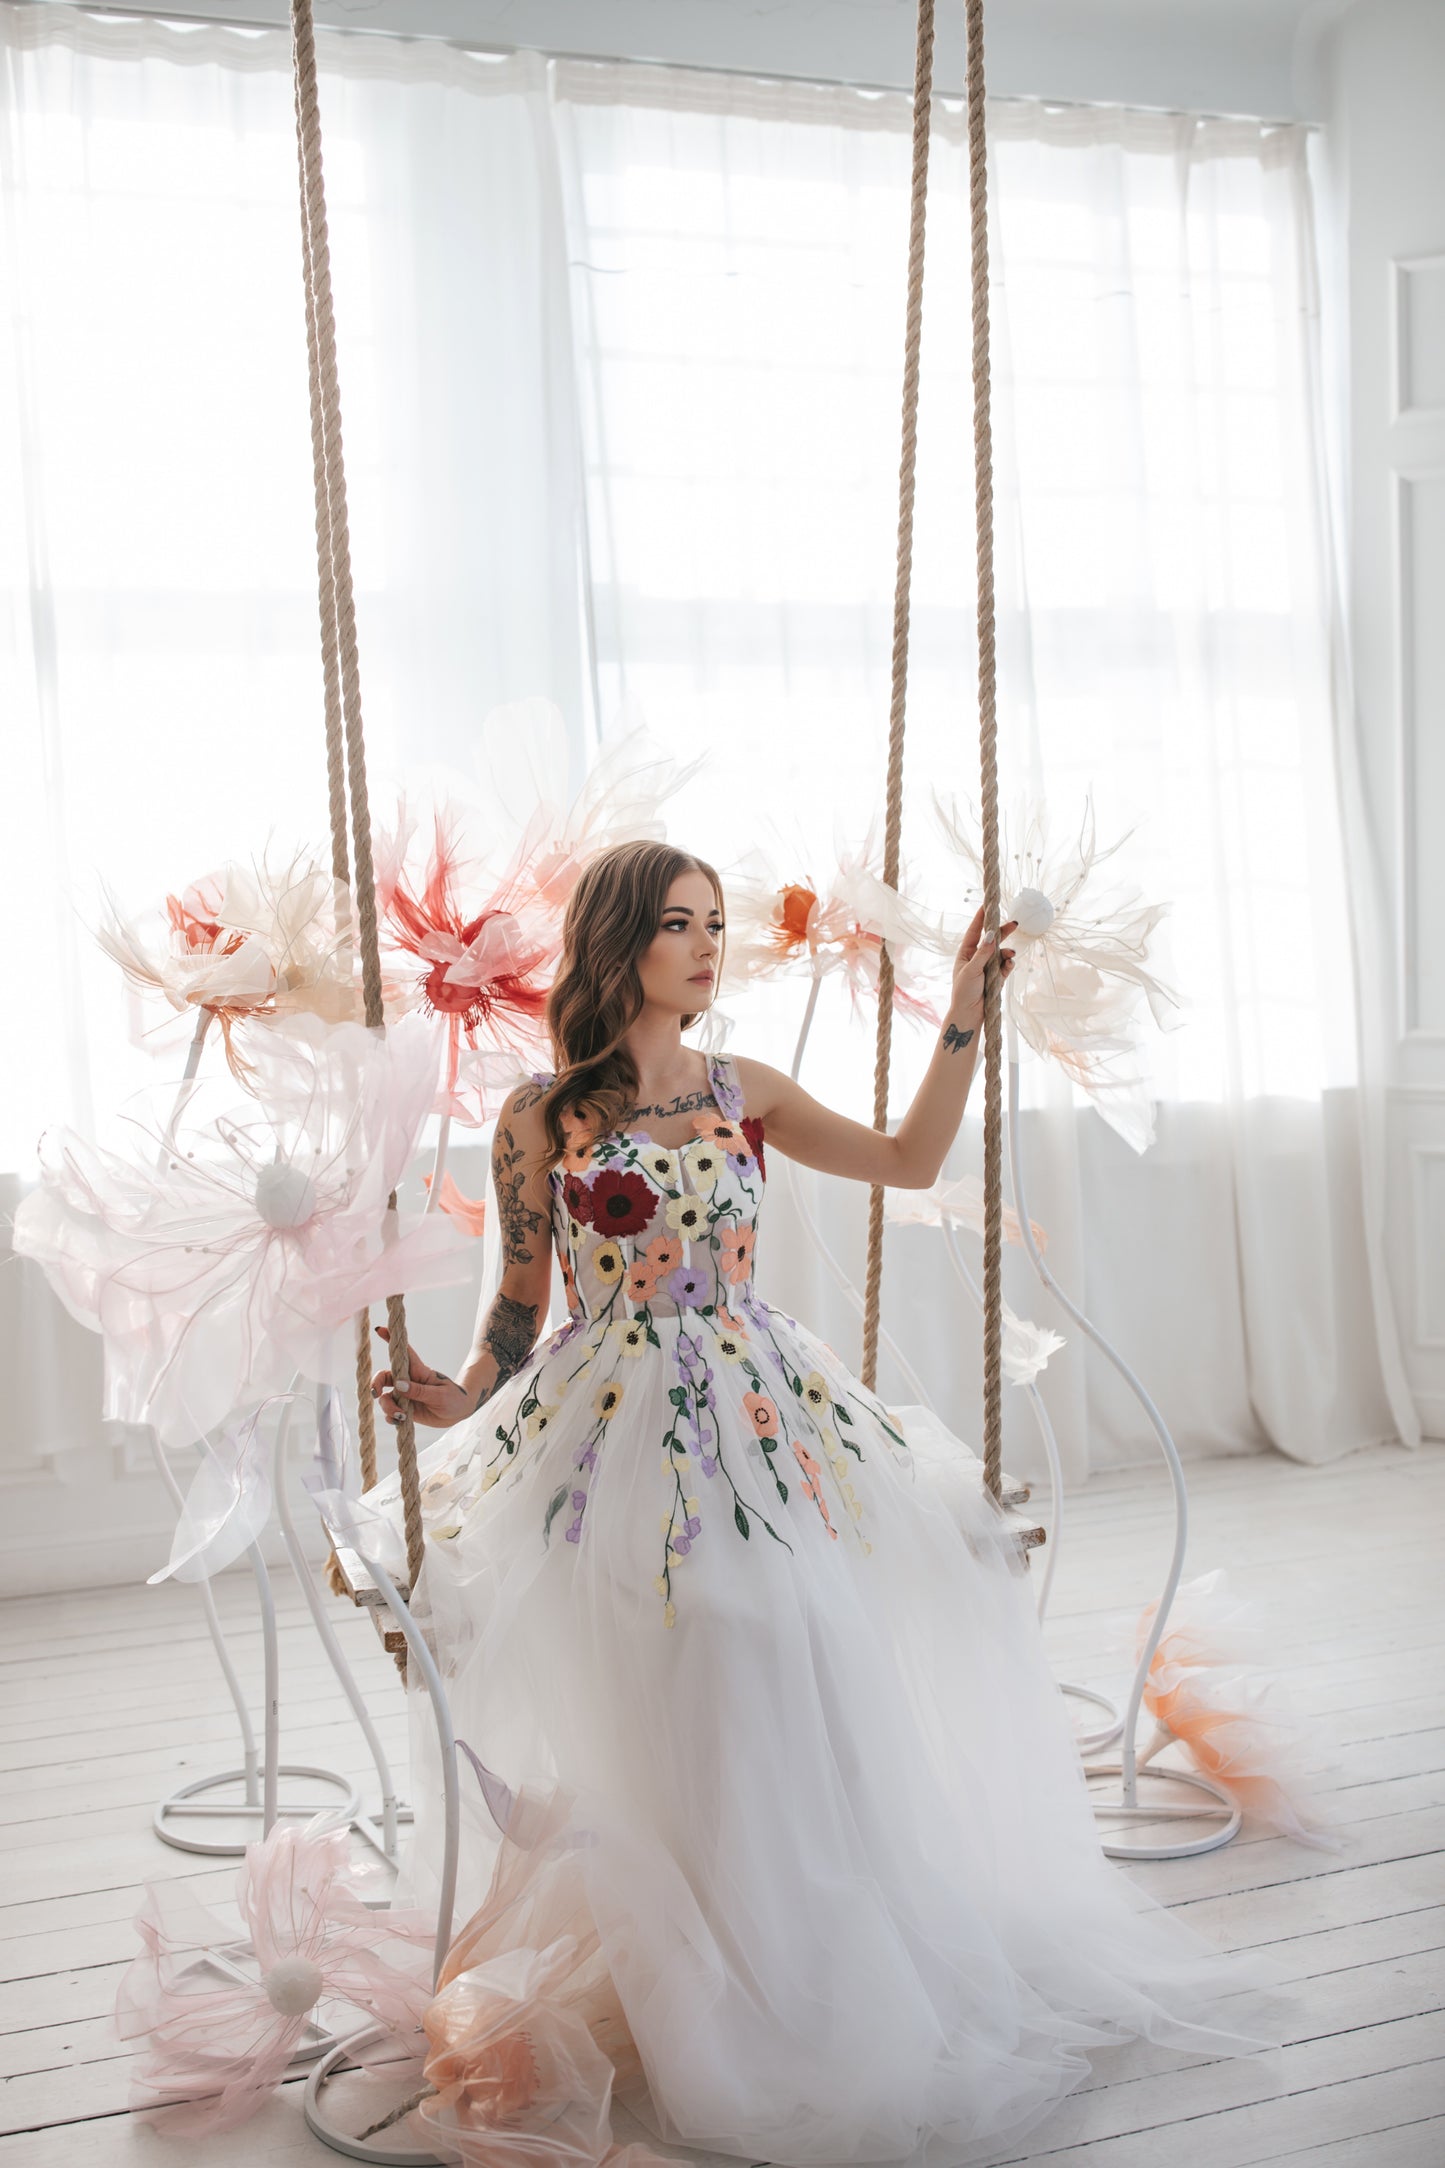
{"x":223,"y":1253}
{"x":486,"y":959}
{"x":222,"y":2015}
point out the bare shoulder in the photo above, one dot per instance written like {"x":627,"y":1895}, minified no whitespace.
{"x":764,"y":1088}
{"x":520,"y":1123}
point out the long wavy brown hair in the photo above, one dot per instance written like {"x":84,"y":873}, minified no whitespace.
{"x":613,"y":916}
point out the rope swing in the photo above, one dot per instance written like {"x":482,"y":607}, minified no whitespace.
{"x":987,"y":711}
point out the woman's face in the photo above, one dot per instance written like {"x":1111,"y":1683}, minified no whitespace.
{"x":679,"y":968}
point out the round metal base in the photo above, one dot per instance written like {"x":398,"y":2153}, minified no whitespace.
{"x":341,"y":2100}
{"x":1093,"y":1742}
{"x":189,"y":1801}
{"x":1188,"y":1848}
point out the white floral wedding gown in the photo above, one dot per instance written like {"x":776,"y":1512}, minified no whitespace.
{"x":777,"y":1641}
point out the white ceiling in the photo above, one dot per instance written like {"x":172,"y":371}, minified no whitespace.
{"x":1236,"y":56}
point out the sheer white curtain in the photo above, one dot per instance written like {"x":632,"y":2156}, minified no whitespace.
{"x":1165,"y":619}
{"x":620,"y":354}
{"x":159,"y":655}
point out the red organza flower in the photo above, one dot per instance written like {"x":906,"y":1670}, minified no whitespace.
{"x":622,"y":1204}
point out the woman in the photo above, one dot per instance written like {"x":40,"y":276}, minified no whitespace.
{"x":775,"y":1640}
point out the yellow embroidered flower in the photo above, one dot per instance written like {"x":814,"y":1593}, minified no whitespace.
{"x":608,"y":1262}
{"x":628,"y":1335}
{"x":608,"y":1400}
{"x":491,"y":1476}
{"x":660,"y":1161}
{"x":665,"y":1522}
{"x":691,"y":1506}
{"x":669,"y":1615}
{"x":444,"y":1535}
{"x":815,"y":1392}
{"x":685,"y":1215}
{"x":539,"y":1420}
{"x":867,"y":1548}
{"x":730,"y":1342}
{"x":576,"y":1232}
{"x":660,"y":1584}
{"x":704,"y":1162}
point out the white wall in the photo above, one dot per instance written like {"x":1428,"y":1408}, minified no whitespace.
{"x":1383,"y":71}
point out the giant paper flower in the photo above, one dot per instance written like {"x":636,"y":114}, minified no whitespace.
{"x":223,"y":2015}
{"x":824,"y":923}
{"x":484,"y":956}
{"x":1082,"y":960}
{"x":1207,"y":1686}
{"x":246,"y":942}
{"x":221,"y":1254}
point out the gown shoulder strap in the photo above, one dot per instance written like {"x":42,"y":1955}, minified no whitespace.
{"x":726,"y":1089}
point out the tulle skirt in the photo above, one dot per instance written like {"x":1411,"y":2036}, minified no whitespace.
{"x":831,"y":1822}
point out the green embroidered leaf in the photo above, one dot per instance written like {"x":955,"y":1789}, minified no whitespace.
{"x":797,"y":1385}
{"x":855,"y":1450}
{"x":841,"y":1413}
{"x":652,"y":1339}
{"x":678,"y":1397}
{"x":501,"y":1433}
{"x":782,"y":1490}
{"x":741,"y":1519}
{"x":707,"y":1309}
{"x":554,"y":1507}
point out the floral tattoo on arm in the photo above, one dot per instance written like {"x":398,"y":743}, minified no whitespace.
{"x":510,"y":1332}
{"x":520,"y":1220}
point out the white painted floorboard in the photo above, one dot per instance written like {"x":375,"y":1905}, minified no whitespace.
{"x":109,"y":1699}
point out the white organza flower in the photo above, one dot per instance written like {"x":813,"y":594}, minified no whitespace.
{"x":244,"y":943}
{"x":808,"y":920}
{"x":218,"y":1259}
{"x":1081,"y":966}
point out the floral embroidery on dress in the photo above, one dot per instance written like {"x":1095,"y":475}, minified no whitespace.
{"x":647,"y":1232}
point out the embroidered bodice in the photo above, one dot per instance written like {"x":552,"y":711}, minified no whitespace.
{"x":647,"y":1231}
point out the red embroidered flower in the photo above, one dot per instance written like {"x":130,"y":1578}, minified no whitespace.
{"x":579,"y":1199}
{"x":752,"y":1129}
{"x":622,"y":1204}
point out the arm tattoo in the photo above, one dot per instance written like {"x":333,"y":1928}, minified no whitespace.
{"x":955,"y":1040}
{"x":519,"y":1218}
{"x":511,"y":1329}
{"x":683,"y":1103}
{"x":528,"y":1095}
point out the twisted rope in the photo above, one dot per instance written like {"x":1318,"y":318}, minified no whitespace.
{"x":334,"y":535}
{"x":988,"y":763}
{"x":893,"y":822}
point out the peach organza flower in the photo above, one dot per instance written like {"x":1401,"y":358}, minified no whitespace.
{"x":1208,"y":1689}
{"x":222,"y":2015}
{"x":527,"y":2033}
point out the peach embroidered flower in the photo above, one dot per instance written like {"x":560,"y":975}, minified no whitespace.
{"x":762,"y":1414}
{"x":812,"y":1469}
{"x":737,"y":1252}
{"x":642,"y":1279}
{"x":717,"y":1129}
{"x":664,"y":1254}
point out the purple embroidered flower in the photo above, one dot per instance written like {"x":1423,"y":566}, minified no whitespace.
{"x":688,"y":1349}
{"x":693,"y":1525}
{"x":588,"y":1459}
{"x":579,"y":1499}
{"x":574,"y":1533}
{"x":709,"y":1465}
{"x":682,"y":1545}
{"x":688,"y":1284}
{"x":743,"y":1164}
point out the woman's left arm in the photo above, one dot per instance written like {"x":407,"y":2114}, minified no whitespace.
{"x":802,"y":1128}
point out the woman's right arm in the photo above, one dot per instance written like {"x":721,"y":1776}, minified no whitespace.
{"x":506,"y":1331}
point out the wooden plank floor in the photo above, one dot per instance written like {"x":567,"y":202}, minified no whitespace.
{"x":111,"y":1698}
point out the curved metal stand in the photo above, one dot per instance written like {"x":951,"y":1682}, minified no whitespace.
{"x":188,"y":1801}
{"x":1088,"y":1742}
{"x":1129,"y":1768}
{"x":389,"y":2147}
{"x":384,"y":1839}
